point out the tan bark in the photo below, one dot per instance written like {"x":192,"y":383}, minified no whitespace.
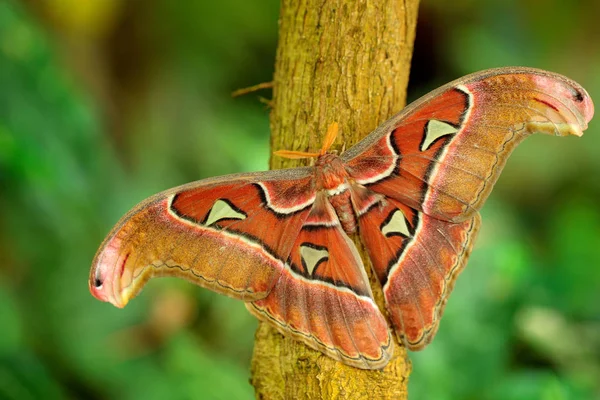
{"x":344,"y":61}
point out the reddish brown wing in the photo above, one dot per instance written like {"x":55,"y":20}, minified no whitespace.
{"x":232,"y":234}
{"x":262,"y":237}
{"x":417,"y":259}
{"x":443,"y":153}
{"x":421,"y":178}
{"x":324,"y":298}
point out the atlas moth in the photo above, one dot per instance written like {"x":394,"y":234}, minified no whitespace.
{"x":412,"y":191}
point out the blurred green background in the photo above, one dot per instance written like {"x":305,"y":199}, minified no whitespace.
{"x":105,"y":102}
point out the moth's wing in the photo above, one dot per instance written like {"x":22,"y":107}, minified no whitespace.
{"x":232,"y":234}
{"x":417,"y":259}
{"x":324,"y":298}
{"x":433,"y":165}
{"x":443,"y":153}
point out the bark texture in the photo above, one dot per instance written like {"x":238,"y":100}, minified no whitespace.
{"x":345,"y":61}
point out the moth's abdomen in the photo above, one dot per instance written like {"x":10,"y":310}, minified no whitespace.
{"x":343,"y":208}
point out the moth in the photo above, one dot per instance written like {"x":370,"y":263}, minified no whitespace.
{"x":412,"y":191}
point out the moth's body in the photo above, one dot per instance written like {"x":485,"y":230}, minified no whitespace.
{"x":412,"y":190}
{"x":332,"y":180}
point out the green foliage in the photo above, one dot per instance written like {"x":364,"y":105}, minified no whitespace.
{"x":92,"y":124}
{"x":62,"y":186}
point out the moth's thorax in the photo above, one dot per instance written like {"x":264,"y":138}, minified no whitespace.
{"x":331,"y":176}
{"x":330,"y":173}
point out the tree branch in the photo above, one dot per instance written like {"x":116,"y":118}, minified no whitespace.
{"x":347,"y":62}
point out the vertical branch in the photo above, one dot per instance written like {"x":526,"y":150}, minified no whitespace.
{"x":346,"y":61}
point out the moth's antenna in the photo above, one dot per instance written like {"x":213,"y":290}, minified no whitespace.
{"x":294,"y":155}
{"x":330,"y":136}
